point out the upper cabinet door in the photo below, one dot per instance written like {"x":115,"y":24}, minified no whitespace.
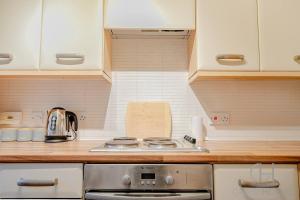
{"x":72,"y":35}
{"x":227,"y":35}
{"x":279,"y":35}
{"x":150,"y":14}
{"x":20,"y":30}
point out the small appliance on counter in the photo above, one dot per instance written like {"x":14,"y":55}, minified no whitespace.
{"x":62,"y":125}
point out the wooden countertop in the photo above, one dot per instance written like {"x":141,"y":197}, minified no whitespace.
{"x":220,"y":152}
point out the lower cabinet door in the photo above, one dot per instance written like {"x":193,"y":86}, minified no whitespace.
{"x":256,"y":182}
{"x":59,"y":181}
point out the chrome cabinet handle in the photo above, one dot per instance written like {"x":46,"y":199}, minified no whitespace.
{"x":69,"y":58}
{"x":147,"y":196}
{"x":5,"y":58}
{"x":36,"y":183}
{"x":256,"y":184}
{"x":297,"y":59}
{"x":231,"y":59}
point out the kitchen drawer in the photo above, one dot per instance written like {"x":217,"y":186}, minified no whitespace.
{"x":227,"y":185}
{"x":41,"y":180}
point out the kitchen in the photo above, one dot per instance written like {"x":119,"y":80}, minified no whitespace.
{"x":149,"y":99}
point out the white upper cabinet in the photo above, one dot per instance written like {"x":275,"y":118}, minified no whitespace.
{"x":150,"y":14}
{"x":20,"y":29}
{"x":72,"y":35}
{"x":279,"y":35}
{"x":227,"y":35}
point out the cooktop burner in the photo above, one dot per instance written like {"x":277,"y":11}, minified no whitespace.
{"x":125,"y":139}
{"x":161,"y":144}
{"x":120,"y":144}
{"x":154,"y":144}
{"x":155,"y":139}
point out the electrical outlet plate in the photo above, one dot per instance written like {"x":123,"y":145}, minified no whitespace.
{"x":81,"y":115}
{"x":37,"y":117}
{"x":220,"y":118}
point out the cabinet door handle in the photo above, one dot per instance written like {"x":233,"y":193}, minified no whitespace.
{"x":69,"y":58}
{"x":297,"y":59}
{"x":231,"y":59}
{"x":256,"y":184}
{"x":36,"y":183}
{"x":5,"y":58}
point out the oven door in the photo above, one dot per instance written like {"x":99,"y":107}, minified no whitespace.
{"x":147,"y":196}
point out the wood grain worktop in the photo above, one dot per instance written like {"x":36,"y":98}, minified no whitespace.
{"x":220,"y":152}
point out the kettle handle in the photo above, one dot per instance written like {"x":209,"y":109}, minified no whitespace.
{"x":71,"y":118}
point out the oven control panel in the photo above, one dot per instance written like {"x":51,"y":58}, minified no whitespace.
{"x":148,"y":176}
{"x":145,"y":180}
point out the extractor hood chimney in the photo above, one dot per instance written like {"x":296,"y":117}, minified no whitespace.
{"x":149,"y":18}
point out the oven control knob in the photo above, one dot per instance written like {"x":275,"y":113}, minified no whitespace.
{"x":169,"y":180}
{"x":126,"y":180}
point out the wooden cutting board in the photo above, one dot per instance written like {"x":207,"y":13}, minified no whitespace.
{"x":148,"y":119}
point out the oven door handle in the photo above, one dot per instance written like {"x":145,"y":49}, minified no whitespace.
{"x":147,"y":196}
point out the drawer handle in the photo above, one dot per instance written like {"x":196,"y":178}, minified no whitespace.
{"x":36,"y":183}
{"x":5,"y":58}
{"x":231,"y":59}
{"x":69,"y":59}
{"x":263,"y":184}
{"x":297,"y":59}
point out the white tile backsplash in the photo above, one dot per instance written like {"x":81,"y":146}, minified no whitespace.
{"x":171,"y":87}
{"x":156,"y":70}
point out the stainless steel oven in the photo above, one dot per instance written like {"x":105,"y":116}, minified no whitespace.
{"x":148,"y":182}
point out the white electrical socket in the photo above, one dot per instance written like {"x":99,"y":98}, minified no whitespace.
{"x":81,"y":115}
{"x":37,"y":115}
{"x":220,"y":118}
{"x":37,"y":118}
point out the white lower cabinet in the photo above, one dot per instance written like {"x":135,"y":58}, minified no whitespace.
{"x":255,"y":182}
{"x":43,"y":181}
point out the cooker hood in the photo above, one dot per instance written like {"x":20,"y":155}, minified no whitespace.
{"x":149,"y":34}
{"x":149,"y":18}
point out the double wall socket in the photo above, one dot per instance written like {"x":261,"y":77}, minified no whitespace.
{"x":220,"y":118}
{"x":81,"y":115}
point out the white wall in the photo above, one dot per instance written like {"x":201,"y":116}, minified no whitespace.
{"x":144,"y":70}
{"x":149,"y":69}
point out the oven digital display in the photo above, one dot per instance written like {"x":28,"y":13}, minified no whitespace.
{"x":148,"y":176}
